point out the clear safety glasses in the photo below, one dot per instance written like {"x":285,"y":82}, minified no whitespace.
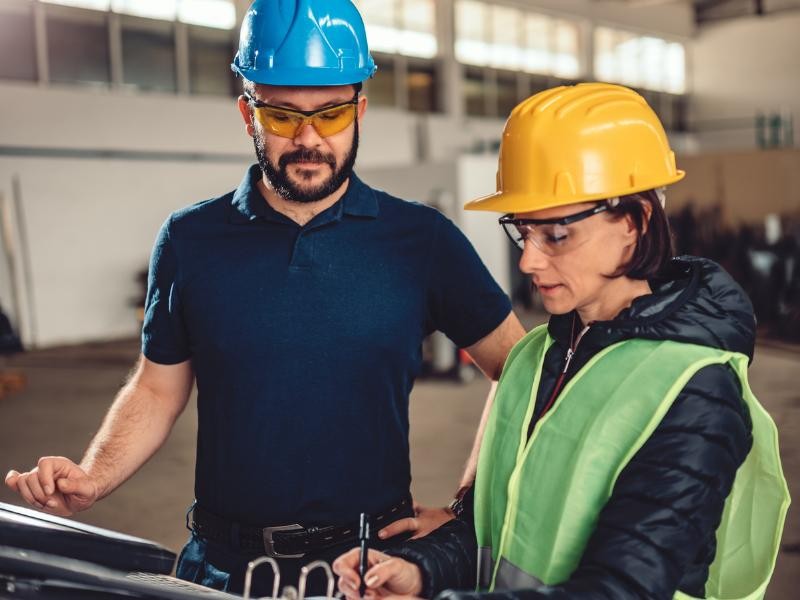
{"x":287,"y":123}
{"x":551,"y":236}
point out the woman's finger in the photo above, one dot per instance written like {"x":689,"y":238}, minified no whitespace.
{"x":384,"y":573}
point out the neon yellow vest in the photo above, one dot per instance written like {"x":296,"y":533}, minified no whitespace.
{"x":537,"y":501}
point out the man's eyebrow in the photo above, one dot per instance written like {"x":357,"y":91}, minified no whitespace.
{"x":292,"y":106}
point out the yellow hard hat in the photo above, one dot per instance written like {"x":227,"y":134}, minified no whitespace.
{"x":579,"y":143}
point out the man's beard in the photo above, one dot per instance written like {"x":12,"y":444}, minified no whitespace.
{"x":278,"y":177}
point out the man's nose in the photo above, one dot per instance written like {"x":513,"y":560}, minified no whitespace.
{"x":307,"y":136}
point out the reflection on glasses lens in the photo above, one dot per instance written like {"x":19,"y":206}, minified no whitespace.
{"x":550,"y":239}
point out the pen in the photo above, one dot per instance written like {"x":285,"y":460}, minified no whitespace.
{"x":363,"y":537}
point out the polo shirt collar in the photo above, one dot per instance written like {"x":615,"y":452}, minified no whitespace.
{"x":249,"y":205}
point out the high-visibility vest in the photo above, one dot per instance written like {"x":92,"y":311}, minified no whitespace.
{"x":537,"y":500}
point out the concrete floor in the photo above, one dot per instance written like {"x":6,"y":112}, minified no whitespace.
{"x":70,"y":388}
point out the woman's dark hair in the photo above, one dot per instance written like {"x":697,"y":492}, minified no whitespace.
{"x":654,"y":248}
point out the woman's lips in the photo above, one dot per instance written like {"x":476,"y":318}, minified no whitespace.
{"x":548,"y":288}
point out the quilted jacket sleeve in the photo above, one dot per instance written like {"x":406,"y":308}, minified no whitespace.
{"x":656,"y":534}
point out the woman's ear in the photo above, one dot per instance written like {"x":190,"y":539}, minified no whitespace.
{"x":632,"y":228}
{"x":647,"y":213}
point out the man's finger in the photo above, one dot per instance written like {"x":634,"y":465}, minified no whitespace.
{"x":25,"y":492}
{"x":398,"y":527}
{"x":46,"y":475}
{"x":83,"y":487}
{"x":11,"y":479}
{"x":36,"y":488}
{"x":56,"y":506}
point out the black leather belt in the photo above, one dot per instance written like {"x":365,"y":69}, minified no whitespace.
{"x":286,"y":541}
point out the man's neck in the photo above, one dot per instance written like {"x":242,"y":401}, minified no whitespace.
{"x":299,"y":212}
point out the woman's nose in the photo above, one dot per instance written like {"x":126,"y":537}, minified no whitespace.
{"x":532,"y":258}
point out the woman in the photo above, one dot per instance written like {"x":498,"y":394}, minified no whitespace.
{"x":625,"y":455}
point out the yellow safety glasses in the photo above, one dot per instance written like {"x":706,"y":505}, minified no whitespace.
{"x":287,"y":123}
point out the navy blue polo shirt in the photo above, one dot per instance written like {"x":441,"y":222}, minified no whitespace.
{"x":305,"y":342}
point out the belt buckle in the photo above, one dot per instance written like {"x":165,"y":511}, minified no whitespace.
{"x":269,"y":543}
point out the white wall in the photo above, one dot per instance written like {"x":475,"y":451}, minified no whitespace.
{"x":91,"y":220}
{"x":743,"y":66}
{"x":476,"y":177}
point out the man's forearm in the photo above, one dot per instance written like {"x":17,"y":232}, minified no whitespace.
{"x":135,"y":427}
{"x":468,"y":478}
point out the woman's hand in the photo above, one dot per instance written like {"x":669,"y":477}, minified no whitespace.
{"x":387,"y":575}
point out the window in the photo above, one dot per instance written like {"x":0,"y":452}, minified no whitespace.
{"x":94,"y":4}
{"x":566,"y":48}
{"x":506,"y":50}
{"x":17,"y":47}
{"x":421,"y":81}
{"x":381,"y":88}
{"x":210,"y":53}
{"x":220,"y":14}
{"x":418,"y":19}
{"x":154,"y":9}
{"x":401,"y":26}
{"x":148,"y":55}
{"x":639,"y":61}
{"x":507,"y":93}
{"x":537,"y":58}
{"x":475,"y":92}
{"x":77,"y":49}
{"x":508,"y":38}
{"x":472,"y":35}
{"x":380,"y":19}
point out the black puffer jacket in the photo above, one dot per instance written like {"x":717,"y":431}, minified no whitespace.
{"x":656,"y":534}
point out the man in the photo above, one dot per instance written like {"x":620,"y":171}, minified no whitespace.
{"x":298,"y":303}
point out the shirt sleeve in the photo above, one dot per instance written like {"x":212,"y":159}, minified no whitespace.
{"x":164,"y":338}
{"x":464,"y":300}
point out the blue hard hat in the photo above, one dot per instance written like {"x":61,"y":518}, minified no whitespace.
{"x":303,"y":42}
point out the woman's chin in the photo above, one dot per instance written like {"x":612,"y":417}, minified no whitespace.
{"x":557,"y":307}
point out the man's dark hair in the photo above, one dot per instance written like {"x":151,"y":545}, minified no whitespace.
{"x":248,"y":87}
{"x":654,"y":248}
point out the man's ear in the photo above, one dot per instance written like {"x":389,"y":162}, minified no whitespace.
{"x":247,"y":115}
{"x":362,"y":107}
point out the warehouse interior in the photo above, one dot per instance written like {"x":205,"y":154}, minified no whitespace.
{"x":114,"y":113}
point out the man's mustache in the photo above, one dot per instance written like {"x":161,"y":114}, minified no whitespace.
{"x":306,"y":155}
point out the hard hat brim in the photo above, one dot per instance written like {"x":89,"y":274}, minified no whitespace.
{"x":304,"y":77}
{"x":510,"y":202}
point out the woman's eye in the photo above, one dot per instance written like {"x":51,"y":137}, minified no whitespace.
{"x":556,"y":238}
{"x":281,"y":118}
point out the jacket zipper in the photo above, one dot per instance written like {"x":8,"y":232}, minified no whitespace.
{"x":570,"y":353}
